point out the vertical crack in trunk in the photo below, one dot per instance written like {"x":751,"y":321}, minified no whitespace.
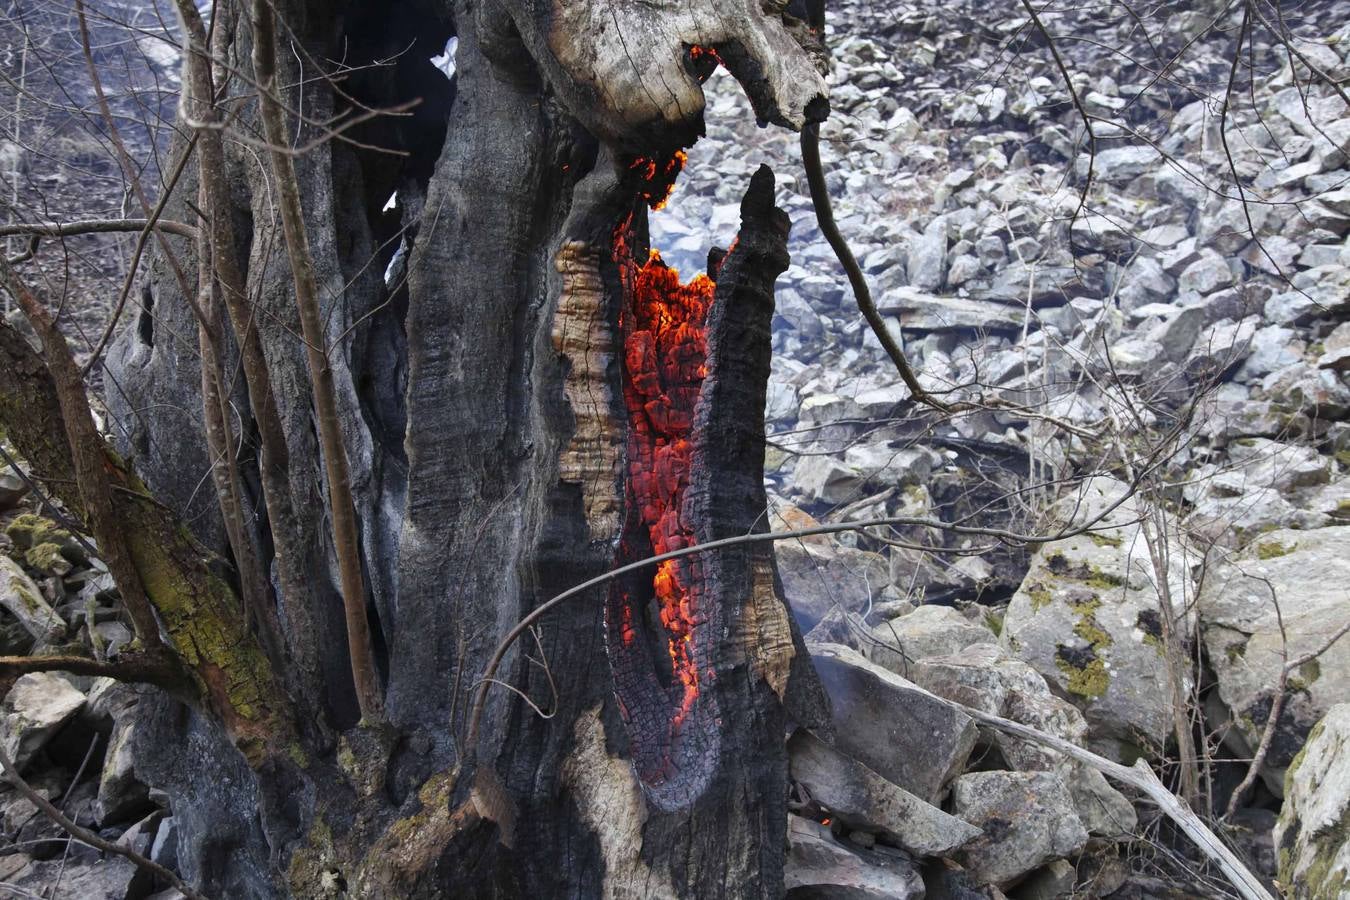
{"x":673,"y":631}
{"x":663,"y":324}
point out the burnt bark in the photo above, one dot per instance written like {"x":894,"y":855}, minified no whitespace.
{"x":488,"y":407}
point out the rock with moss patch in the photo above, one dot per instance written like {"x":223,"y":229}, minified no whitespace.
{"x":930,"y":630}
{"x":47,"y":546}
{"x":1088,"y":617}
{"x":34,"y":711}
{"x":986,"y":678}
{"x":24,"y":601}
{"x":1312,"y":837}
{"x":1285,"y":593}
{"x":1027,"y":818}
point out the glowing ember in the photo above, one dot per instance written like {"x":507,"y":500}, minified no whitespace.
{"x":664,"y":366}
{"x":705,"y":56}
{"x":659,"y":176}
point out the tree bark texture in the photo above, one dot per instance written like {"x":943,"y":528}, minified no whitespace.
{"x":518,"y":417}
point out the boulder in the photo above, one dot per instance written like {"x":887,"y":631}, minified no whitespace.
{"x":1305,"y":573}
{"x":850,"y":792}
{"x":839,"y":626}
{"x":110,"y":878}
{"x":1207,"y":274}
{"x":1028,"y":820}
{"x":919,"y":310}
{"x":1088,"y":618}
{"x":820,"y":574}
{"x":896,"y":730}
{"x":24,"y":601}
{"x":37,"y":706}
{"x":1311,"y":838}
{"x":928,"y":256}
{"x":12,"y":489}
{"x":121,"y":795}
{"x":824,"y":479}
{"x":930,"y":630}
{"x":984,"y":677}
{"x":819,"y":867}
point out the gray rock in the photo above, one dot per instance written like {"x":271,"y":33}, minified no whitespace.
{"x":1045,"y":284}
{"x":111,"y":878}
{"x":919,"y":310}
{"x":825,"y":479}
{"x":1314,"y":390}
{"x":983,"y":677}
{"x":24,"y":601}
{"x":121,"y":795}
{"x":1222,"y":345}
{"x":1272,"y":347}
{"x":1206,"y":275}
{"x":140,"y":837}
{"x":819,"y":574}
{"x":1028,"y":820}
{"x":931,"y":630}
{"x":1314,"y":849}
{"x":37,"y":706}
{"x":1118,"y":165}
{"x":839,"y":626}
{"x":963,"y":268}
{"x":1087,"y":617}
{"x":853,"y":794}
{"x":12,"y":489}
{"x":1177,"y":333}
{"x":1274,"y":254}
{"x":165,"y":848}
{"x":1144,"y":282}
{"x":1306,"y":573}
{"x":928,"y":256}
{"x":819,"y":867}
{"x":897,"y":731}
{"x":1098,"y":232}
{"x":1054,"y":882}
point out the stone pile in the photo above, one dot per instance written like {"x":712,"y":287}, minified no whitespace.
{"x":69,"y":736}
{"x":1155,"y":325}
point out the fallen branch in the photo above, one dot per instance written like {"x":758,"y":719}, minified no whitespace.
{"x":1140,"y":777}
{"x":86,"y":836}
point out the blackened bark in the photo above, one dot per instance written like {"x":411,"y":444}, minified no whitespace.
{"x":482,"y":404}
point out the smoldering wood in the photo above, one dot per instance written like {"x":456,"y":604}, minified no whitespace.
{"x":487,"y":451}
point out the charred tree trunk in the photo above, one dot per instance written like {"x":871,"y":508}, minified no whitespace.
{"x":529,"y":400}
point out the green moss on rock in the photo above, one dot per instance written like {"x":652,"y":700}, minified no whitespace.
{"x":1090,"y":681}
{"x":30,"y":530}
{"x":1273,"y":550}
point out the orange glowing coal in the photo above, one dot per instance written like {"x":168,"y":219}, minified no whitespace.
{"x":663,"y":324}
{"x":659,"y":176}
{"x":705,"y":55}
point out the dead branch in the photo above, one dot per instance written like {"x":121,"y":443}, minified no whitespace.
{"x":97,"y":226}
{"x":1142,"y":778}
{"x":820,"y":200}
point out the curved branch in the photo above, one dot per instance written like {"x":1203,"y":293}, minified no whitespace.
{"x":139,"y":667}
{"x":97,"y":226}
{"x":820,"y":200}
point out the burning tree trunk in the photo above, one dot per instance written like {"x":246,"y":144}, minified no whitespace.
{"x":540,"y":400}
